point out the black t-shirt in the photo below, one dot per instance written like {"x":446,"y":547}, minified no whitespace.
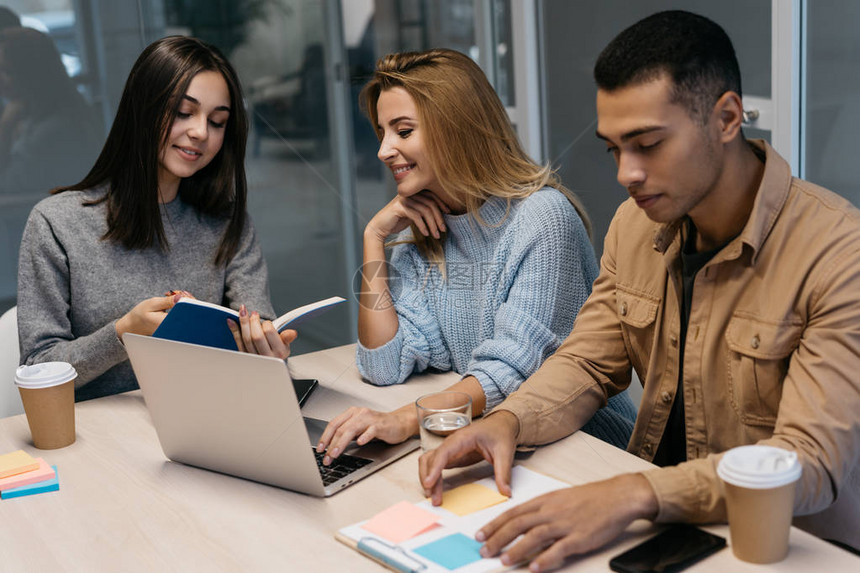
{"x":673,"y":445}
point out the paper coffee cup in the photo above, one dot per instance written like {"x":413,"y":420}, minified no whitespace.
{"x":759,"y":484}
{"x":48,"y":394}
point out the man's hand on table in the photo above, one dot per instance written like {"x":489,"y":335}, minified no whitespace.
{"x":555,"y":525}
{"x":492,"y":438}
{"x":569,"y":521}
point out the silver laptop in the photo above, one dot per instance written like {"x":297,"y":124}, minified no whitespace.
{"x":238,"y":414}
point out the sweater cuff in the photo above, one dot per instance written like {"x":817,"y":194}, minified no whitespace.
{"x":106,"y":351}
{"x":492,"y":395}
{"x":113,"y":345}
{"x":380,"y":365}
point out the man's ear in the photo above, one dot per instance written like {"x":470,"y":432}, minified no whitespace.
{"x":729,"y":115}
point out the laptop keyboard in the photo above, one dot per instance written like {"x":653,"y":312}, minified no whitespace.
{"x":340,"y":467}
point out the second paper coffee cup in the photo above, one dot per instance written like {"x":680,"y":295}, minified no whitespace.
{"x":48,"y":394}
{"x":759,"y":484}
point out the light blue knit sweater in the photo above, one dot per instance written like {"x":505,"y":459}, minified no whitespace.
{"x":513,"y":289}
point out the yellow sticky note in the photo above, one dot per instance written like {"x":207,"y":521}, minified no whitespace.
{"x":470,"y":498}
{"x":17,"y":463}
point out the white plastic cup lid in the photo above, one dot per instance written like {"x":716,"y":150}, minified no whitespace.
{"x":759,"y":467}
{"x":44,"y":375}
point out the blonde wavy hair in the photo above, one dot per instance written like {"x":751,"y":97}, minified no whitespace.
{"x":470,"y":142}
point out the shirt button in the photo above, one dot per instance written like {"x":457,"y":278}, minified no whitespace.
{"x":673,"y":340}
{"x":623,"y":309}
{"x":755,"y":341}
{"x":666,"y":397}
{"x":646,"y":447}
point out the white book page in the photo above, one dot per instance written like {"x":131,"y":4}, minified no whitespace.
{"x":302,"y":310}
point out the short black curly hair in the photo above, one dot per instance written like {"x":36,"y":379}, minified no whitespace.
{"x":695,"y":52}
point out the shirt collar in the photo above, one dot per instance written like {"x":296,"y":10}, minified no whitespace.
{"x":770,"y":198}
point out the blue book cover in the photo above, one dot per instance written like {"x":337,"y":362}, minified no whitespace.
{"x":198,"y":322}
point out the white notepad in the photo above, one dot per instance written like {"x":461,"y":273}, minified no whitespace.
{"x":525,"y":485}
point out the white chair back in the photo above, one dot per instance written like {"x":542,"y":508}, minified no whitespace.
{"x":10,"y":400}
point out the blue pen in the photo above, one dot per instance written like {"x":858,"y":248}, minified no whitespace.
{"x":390,"y":555}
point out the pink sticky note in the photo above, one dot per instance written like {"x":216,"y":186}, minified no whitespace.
{"x":401,"y":522}
{"x":44,"y":472}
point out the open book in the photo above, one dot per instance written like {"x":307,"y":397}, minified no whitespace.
{"x":205,"y":323}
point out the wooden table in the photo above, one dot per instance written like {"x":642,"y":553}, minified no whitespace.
{"x":123,"y":507}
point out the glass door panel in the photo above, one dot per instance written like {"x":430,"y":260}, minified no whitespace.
{"x":832,"y":109}
{"x":374,"y":29}
{"x":574,"y":33}
{"x":278,"y":50}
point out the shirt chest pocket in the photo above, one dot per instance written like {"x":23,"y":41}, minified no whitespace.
{"x":637,"y":314}
{"x":758,"y":355}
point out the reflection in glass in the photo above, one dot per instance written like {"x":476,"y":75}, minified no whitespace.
{"x":574,"y":33}
{"x":49,"y":136}
{"x":833,"y":96}
{"x":503,"y":61}
{"x":431,"y":24}
{"x":47,"y":130}
{"x":278,"y":49}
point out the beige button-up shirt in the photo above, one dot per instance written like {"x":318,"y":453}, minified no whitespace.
{"x":772,"y":351}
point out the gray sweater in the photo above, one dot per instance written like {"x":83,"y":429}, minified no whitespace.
{"x":73,"y":286}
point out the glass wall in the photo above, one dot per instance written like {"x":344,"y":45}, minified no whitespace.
{"x":832,"y":109}
{"x":278,"y":49}
{"x":50,"y":125}
{"x":281,"y":50}
{"x":314,"y":177}
{"x":392,"y":26}
{"x":574,"y":32}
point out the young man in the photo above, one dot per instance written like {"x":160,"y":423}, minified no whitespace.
{"x":729,"y":286}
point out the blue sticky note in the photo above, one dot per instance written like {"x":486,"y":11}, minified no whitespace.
{"x":52,"y":484}
{"x":451,"y":552}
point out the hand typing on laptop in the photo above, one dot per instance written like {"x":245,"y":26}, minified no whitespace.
{"x":363,"y":425}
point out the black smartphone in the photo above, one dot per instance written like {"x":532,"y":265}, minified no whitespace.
{"x":303,"y":388}
{"x":671,"y":550}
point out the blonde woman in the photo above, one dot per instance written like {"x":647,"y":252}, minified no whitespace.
{"x":491,"y":256}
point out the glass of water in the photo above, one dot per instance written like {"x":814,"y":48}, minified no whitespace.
{"x":440,"y":414}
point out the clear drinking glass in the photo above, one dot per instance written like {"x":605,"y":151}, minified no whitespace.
{"x":440,"y":414}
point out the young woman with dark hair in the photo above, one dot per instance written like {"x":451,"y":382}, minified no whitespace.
{"x":162,"y":209}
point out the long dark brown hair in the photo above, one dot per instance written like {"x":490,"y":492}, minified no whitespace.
{"x":128,"y":163}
